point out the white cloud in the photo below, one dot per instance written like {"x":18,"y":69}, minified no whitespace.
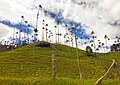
{"x":96,"y":15}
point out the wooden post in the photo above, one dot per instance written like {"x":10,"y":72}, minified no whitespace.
{"x":117,"y":70}
{"x":53,"y":66}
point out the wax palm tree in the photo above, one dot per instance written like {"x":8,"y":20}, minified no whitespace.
{"x":43,"y":30}
{"x":28,"y":33}
{"x":106,"y":37}
{"x":22,"y":19}
{"x":103,"y":47}
{"x":77,"y":52}
{"x":16,"y":37}
{"x":72,"y":41}
{"x":55,"y":35}
{"x":46,"y":32}
{"x":36,"y":30}
{"x":93,"y":37}
{"x":60,"y":35}
{"x":58,"y":22}
{"x":25,"y":31}
{"x":65,"y":39}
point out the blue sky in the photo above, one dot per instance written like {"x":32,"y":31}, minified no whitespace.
{"x":80,"y":31}
{"x":16,"y":25}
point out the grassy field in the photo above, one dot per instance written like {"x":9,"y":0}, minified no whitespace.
{"x":31,"y":65}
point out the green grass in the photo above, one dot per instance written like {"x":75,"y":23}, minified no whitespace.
{"x":31,"y":65}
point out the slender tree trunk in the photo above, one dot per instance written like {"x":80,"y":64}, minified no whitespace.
{"x":77,"y":53}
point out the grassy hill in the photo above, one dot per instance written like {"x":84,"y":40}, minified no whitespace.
{"x":31,"y":65}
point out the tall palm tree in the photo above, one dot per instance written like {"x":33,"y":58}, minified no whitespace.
{"x":72,"y":41}
{"x":43,"y":30}
{"x":25,"y":31}
{"x":65,"y":39}
{"x":93,"y":37}
{"x":105,"y":37}
{"x":16,"y":38}
{"x":55,"y":35}
{"x":103,"y":47}
{"x":46,"y":32}
{"x":109,"y":41}
{"x":43,"y":34}
{"x":60,"y":35}
{"x":58,"y":22}
{"x":77,"y":52}
{"x":14,"y":33}
{"x":36,"y":29}
{"x":28,"y":33}
{"x":22,"y":19}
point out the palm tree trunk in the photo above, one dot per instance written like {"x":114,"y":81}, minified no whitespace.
{"x":77,"y":53}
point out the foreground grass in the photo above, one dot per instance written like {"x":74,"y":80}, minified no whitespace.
{"x":49,"y":81}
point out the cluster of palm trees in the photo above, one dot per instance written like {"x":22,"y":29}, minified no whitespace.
{"x":116,"y":46}
{"x":97,"y":45}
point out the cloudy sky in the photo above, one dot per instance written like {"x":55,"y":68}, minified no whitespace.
{"x":100,"y":16}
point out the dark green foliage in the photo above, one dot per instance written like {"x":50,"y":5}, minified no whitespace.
{"x":89,"y":51}
{"x":44,"y":44}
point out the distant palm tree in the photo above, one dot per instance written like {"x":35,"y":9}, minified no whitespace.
{"x":60,"y":37}
{"x":106,"y":37}
{"x":28,"y":33}
{"x":72,"y":41}
{"x":64,"y":39}
{"x":103,"y":47}
{"x":109,"y":41}
{"x":16,"y":37}
{"x":55,"y":35}
{"x":46,"y":32}
{"x":43,"y":30}
{"x":22,"y":19}
{"x":58,"y":22}
{"x":25,"y":31}
{"x":36,"y":30}
{"x":43,"y":34}
{"x":93,"y":37}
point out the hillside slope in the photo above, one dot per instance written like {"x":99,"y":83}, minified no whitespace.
{"x":32,"y":63}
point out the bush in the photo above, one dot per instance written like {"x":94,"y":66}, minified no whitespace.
{"x":44,"y":44}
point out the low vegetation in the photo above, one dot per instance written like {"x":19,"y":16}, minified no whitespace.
{"x":31,"y":65}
